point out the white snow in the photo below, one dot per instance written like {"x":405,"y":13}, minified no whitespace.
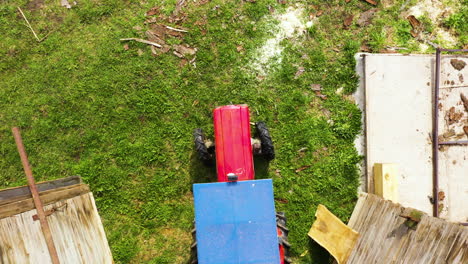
{"x":435,"y":10}
{"x":291,"y":25}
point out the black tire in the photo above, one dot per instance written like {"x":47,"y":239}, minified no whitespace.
{"x":268,"y":151}
{"x":283,"y":239}
{"x":204,"y":154}
{"x":193,"y":247}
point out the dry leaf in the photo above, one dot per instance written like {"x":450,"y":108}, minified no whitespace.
{"x":184,"y":50}
{"x":239,"y":48}
{"x":319,"y":13}
{"x":279,"y":200}
{"x":316,"y":87}
{"x":299,"y":72}
{"x":153,"y":11}
{"x":365,"y":48}
{"x":372,"y":2}
{"x":303,"y":168}
{"x":140,"y":52}
{"x":366,"y":17}
{"x":465,"y":128}
{"x":347,"y":22}
{"x":126,"y":47}
{"x":271,"y":9}
{"x":319,"y":94}
{"x":414,"y":22}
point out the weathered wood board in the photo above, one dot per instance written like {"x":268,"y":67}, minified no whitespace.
{"x":75,"y":224}
{"x":22,"y":191}
{"x":332,"y":234}
{"x":389,"y":234}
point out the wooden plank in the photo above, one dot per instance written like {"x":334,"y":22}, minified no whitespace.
{"x":333,"y":235}
{"x":76,"y":229}
{"x":47,"y":197}
{"x":23,"y":192}
{"x":386,"y":181}
{"x":390,"y":233}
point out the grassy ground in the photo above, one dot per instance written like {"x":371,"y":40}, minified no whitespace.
{"x":123,"y":119}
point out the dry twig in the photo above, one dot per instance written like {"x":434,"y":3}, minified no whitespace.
{"x":29,"y":25}
{"x":176,"y":29}
{"x":142,"y":41}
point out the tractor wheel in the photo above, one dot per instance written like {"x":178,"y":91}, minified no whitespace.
{"x":203,"y":152}
{"x":283,"y":238}
{"x":193,"y":248}
{"x":268,"y":151}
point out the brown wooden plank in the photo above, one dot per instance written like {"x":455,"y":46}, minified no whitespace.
{"x":47,"y":197}
{"x":22,"y":191}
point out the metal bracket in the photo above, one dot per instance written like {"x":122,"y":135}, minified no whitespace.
{"x":232,"y":177}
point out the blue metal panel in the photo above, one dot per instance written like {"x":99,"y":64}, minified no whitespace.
{"x":236,"y":223}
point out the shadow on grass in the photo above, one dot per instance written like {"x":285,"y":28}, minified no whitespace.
{"x":318,"y":254}
{"x":199,"y":172}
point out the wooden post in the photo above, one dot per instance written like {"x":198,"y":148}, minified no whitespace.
{"x":35,"y":194}
{"x":386,"y":181}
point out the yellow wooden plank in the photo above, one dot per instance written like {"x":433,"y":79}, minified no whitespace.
{"x":386,"y":181}
{"x":333,"y":235}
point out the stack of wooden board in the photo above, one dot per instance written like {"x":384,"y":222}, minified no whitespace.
{"x":73,"y":218}
{"x":390,"y":233}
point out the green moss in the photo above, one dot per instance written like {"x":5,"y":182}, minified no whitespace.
{"x":124,"y":122}
{"x":458,"y":22}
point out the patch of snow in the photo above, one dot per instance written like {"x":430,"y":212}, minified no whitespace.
{"x":436,"y":11}
{"x":290,"y":25}
{"x":432,"y":8}
{"x":423,"y":47}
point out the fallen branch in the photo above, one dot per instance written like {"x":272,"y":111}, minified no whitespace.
{"x":176,"y":29}
{"x":142,"y":41}
{"x":29,"y":25}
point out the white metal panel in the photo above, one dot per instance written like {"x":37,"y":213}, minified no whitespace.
{"x":398,"y":121}
{"x":398,"y":100}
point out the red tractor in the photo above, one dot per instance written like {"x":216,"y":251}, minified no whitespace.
{"x":234,"y":149}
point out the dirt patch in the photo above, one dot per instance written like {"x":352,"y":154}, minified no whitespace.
{"x":35,"y":5}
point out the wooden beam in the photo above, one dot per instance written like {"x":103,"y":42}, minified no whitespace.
{"x":332,"y":234}
{"x":386,"y":181}
{"x":47,"y":197}
{"x":23,"y":191}
{"x":35,"y":194}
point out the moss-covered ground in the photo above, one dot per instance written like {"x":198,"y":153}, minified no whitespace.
{"x":123,"y":119}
